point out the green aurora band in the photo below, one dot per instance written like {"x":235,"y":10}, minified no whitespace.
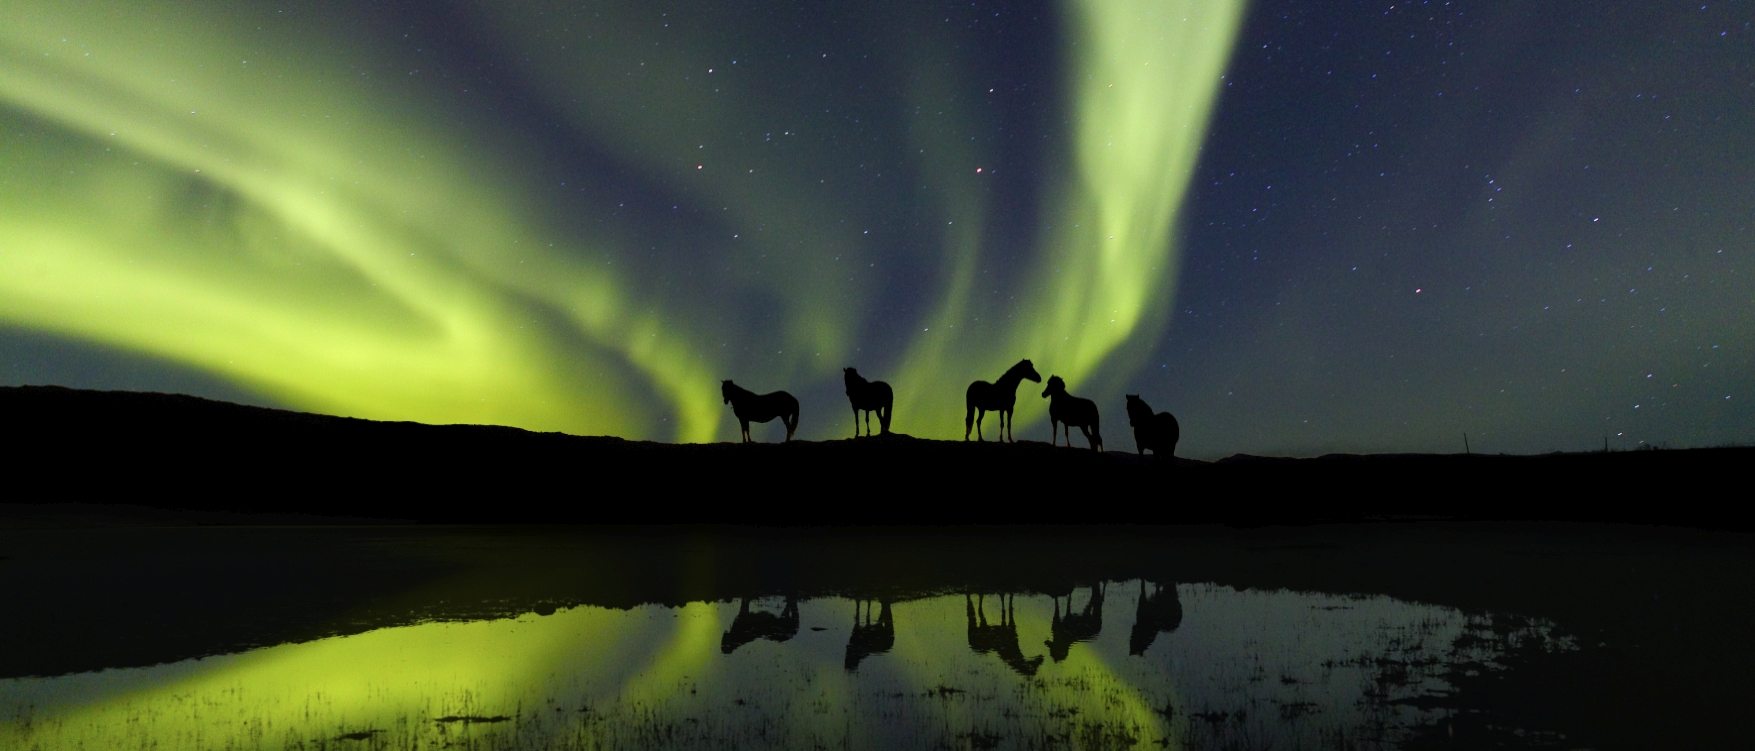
{"x":185,"y":182}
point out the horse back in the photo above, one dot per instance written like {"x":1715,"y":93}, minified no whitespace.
{"x":1078,"y":411}
{"x":977,"y":393}
{"x":787,"y":403}
{"x":1168,"y":430}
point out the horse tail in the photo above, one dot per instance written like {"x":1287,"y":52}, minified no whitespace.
{"x":889,"y":402}
{"x":969,"y":408}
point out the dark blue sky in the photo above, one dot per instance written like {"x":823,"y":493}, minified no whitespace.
{"x":1407,"y":221}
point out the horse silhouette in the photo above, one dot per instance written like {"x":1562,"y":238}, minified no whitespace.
{"x":751,"y":625}
{"x":1073,"y":628}
{"x":1001,"y":638}
{"x":1000,"y":396}
{"x":870,"y":637}
{"x":749,"y":406}
{"x":1159,"y":612}
{"x":1070,"y":410}
{"x":871,"y":396}
{"x":1158,"y":432}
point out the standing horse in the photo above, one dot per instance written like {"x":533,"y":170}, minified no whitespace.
{"x":870,"y":636}
{"x":1158,"y":432}
{"x":999,"y":638}
{"x":1071,"y":410}
{"x":871,"y":396}
{"x":748,"y":406}
{"x":1075,"y":627}
{"x":1001,"y":397}
{"x":1158,"y":612}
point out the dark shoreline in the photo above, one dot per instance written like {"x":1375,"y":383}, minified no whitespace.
{"x":220,"y":459}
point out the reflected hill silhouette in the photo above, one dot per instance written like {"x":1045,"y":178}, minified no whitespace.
{"x":870,"y":636}
{"x":1000,"y":638}
{"x":1159,"y":612}
{"x":1664,"y":609}
{"x":750,"y":625}
{"x":1075,"y":627}
{"x":199,"y":455}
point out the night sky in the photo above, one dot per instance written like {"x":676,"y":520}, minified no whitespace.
{"x":1301,"y":227}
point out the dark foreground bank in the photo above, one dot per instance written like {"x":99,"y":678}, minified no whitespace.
{"x":190,"y":453}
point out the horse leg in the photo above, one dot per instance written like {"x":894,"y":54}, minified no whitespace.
{"x":746,"y":430}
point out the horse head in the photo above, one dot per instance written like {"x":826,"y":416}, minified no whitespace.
{"x":1055,"y":386}
{"x":1025,"y":369}
{"x":726,"y":389}
{"x":851,"y":376}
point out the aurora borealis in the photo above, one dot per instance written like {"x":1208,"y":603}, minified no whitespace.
{"x":1302,"y":230}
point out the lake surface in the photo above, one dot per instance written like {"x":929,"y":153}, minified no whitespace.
{"x":1382,"y":637}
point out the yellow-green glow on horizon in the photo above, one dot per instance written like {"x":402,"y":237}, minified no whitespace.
{"x":235,"y":200}
{"x":251,"y":218}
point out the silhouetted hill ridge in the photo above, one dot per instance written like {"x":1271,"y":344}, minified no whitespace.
{"x":72,"y":444}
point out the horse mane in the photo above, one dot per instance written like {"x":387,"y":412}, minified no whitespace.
{"x":1137,"y":410}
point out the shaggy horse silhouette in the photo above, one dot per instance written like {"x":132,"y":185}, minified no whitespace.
{"x":1158,"y":612}
{"x":750,"y":625}
{"x":871,"y":396}
{"x":1072,"y":628}
{"x":1158,"y":432}
{"x":1071,"y":410}
{"x":870,"y":636}
{"x":748,"y":406}
{"x":1001,"y":396}
{"x":999,"y":638}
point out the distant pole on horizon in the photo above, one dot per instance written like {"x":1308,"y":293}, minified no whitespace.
{"x":1466,"y":450}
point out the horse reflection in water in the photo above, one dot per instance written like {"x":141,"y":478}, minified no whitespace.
{"x":1072,"y":628}
{"x":1001,"y":638}
{"x":750,"y":625}
{"x":1159,"y":612}
{"x":870,"y":637}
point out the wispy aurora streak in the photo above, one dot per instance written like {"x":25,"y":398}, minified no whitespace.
{"x":1144,"y":77}
{"x":189,"y":183}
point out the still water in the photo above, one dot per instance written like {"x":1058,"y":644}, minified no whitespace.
{"x":1140,"y":662}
